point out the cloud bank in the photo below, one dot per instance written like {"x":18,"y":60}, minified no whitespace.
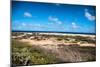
{"x":27,"y":14}
{"x":89,"y":16}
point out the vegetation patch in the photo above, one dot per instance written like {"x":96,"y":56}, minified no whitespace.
{"x":22,"y":54}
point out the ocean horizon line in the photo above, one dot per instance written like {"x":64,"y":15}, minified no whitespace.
{"x":55,"y":32}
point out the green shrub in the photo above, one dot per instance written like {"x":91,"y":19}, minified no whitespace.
{"x":30,"y":55}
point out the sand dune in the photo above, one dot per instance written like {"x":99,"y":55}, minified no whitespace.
{"x":52,"y":42}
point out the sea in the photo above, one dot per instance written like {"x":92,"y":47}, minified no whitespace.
{"x":55,"y":32}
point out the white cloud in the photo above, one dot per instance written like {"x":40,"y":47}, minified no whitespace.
{"x":74,"y":25}
{"x":23,"y":24}
{"x":27,"y":14}
{"x":30,"y":26}
{"x":89,"y":16}
{"x":54,"y":20}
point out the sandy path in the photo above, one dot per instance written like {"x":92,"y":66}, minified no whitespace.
{"x":35,"y":42}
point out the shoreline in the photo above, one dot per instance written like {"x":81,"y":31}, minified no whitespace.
{"x":55,"y":38}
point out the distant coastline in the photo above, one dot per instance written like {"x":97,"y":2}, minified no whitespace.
{"x":56,"y":32}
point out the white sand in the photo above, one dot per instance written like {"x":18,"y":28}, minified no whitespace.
{"x":52,"y":42}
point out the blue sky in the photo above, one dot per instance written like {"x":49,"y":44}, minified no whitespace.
{"x":34,"y":16}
